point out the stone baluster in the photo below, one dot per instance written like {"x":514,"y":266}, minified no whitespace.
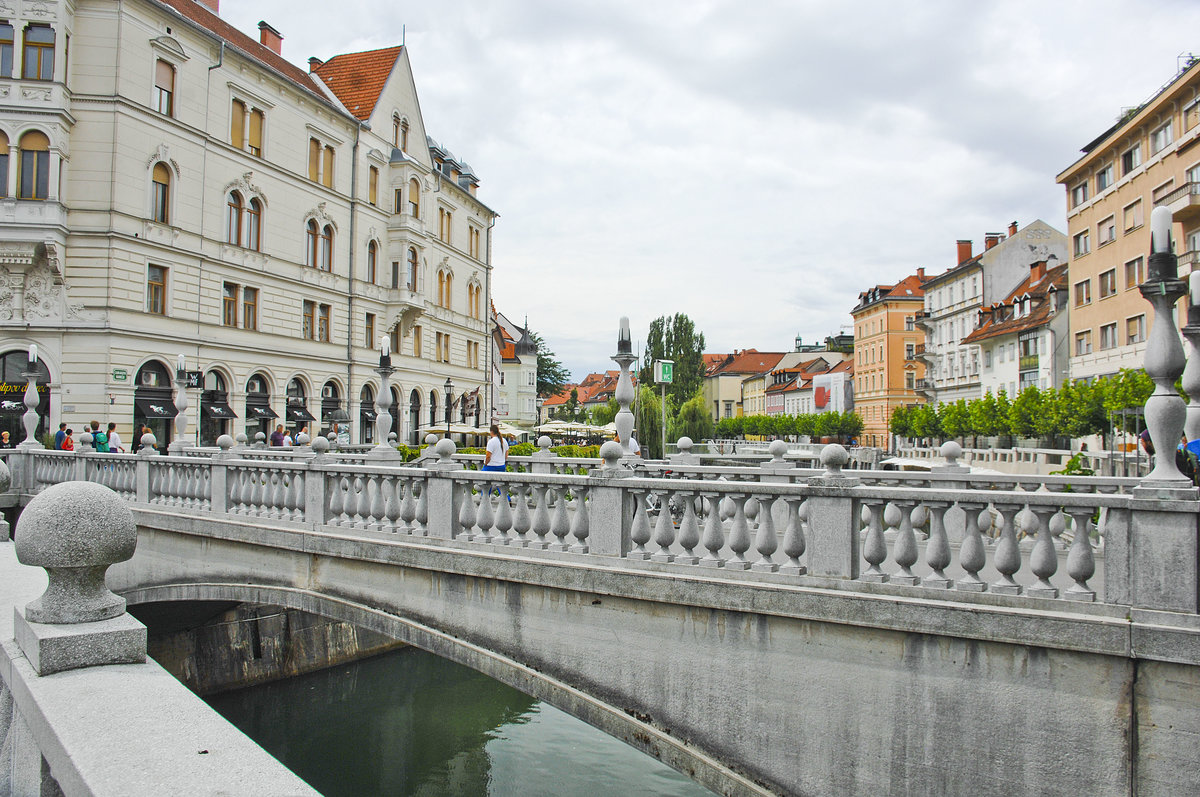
{"x":739,"y":536}
{"x":466,"y":512}
{"x":295,"y":495}
{"x":664,"y":530}
{"x":560,"y":524}
{"x":875,"y":546}
{"x":793,"y":537}
{"x":408,"y":506}
{"x":541,"y":518}
{"x":1044,"y":559}
{"x":906,"y":544}
{"x":1081,"y":564}
{"x":504,"y":517}
{"x":521,"y":521}
{"x":937,"y":550}
{"x":337,"y":499}
{"x":485,"y":516}
{"x":639,"y":532}
{"x":689,"y":529}
{"x":422,"y":517}
{"x":375,"y":503}
{"x":580,"y":525}
{"x":30,"y":418}
{"x":971,"y":554}
{"x":766,"y":542}
{"x":1007,"y":556}
{"x":714,"y":532}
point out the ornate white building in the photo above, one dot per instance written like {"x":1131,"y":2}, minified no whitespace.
{"x":174,"y":187}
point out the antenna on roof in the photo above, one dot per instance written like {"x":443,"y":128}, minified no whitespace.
{"x":403,"y":31}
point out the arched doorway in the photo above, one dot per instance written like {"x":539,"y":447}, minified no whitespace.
{"x":15,"y":365}
{"x":216,"y":416}
{"x":433,"y":412}
{"x":414,"y":418}
{"x":395,"y":410}
{"x":331,"y":402}
{"x":298,"y":416}
{"x":153,"y":407}
{"x":259,"y":414}
{"x":366,"y":415}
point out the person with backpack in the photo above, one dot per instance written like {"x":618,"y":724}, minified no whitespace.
{"x":99,"y":438}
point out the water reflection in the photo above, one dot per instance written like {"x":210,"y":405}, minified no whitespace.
{"x":410,"y":723}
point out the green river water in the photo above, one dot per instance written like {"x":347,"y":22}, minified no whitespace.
{"x":411,"y":723}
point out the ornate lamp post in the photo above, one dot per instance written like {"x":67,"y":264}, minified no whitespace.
{"x":383,"y":401}
{"x":1165,"y":410}
{"x":624,"y":392}
{"x":449,"y":387}
{"x":30,"y":418}
{"x":181,"y":405}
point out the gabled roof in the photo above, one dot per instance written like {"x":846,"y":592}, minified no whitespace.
{"x":744,"y":363}
{"x":358,"y":78}
{"x":911,"y":287}
{"x":1038,"y":290}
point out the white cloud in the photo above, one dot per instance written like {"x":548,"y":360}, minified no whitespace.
{"x":754,"y":165}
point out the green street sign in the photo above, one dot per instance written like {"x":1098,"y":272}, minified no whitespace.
{"x":120,"y":374}
{"x":664,"y":371}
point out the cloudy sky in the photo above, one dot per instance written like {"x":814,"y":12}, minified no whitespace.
{"x":753,"y":164}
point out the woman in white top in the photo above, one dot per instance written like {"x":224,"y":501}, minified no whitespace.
{"x":497,"y":451}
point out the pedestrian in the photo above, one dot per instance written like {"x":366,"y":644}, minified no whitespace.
{"x":114,"y":439}
{"x":304,"y":431}
{"x":59,"y":435}
{"x":277,"y":436}
{"x":287,"y":439}
{"x":99,"y":438}
{"x":496,"y":457}
{"x":68,"y":444}
{"x":634,"y":448}
{"x":4,"y":440}
{"x":1147,"y":443}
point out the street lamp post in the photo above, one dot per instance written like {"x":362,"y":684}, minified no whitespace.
{"x":449,"y":404}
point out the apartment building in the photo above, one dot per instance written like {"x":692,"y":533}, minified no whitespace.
{"x":180,"y":189}
{"x":516,"y":392}
{"x":887,"y":370}
{"x":955,"y":298}
{"x":1149,"y":157}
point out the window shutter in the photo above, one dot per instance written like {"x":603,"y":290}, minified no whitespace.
{"x":164,"y":76}
{"x":256,"y":124}
{"x":314,"y":159}
{"x":237,"y":124}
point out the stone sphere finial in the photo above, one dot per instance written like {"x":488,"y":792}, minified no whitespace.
{"x":684,"y":444}
{"x":611,"y":452}
{"x":5,"y":477}
{"x":75,"y":530}
{"x":777,"y":449}
{"x":431,"y":439}
{"x":392,"y":438}
{"x":320,"y":445}
{"x":224,"y":442}
{"x":241,"y":438}
{"x":833,"y":459}
{"x":445,"y":449}
{"x":951,"y":450}
{"x":86,"y":440}
{"x":544,"y":442}
{"x":260,"y":437}
{"x":148,"y":443}
{"x":303,"y":439}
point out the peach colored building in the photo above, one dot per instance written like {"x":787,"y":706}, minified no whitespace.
{"x":886,"y":341}
{"x":1148,"y":158}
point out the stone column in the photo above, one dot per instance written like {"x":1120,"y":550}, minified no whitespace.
{"x":177,"y":445}
{"x":383,"y":403}
{"x":610,"y":506}
{"x":30,"y":418}
{"x":624,"y":394}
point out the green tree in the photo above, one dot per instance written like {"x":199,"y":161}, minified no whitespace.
{"x":551,"y":375}
{"x":649,"y":422}
{"x":1024,"y":416}
{"x":804,"y":425}
{"x":675,"y":338}
{"x":925,"y":422}
{"x":604,"y":414}
{"x":568,"y":411}
{"x":900,"y":424}
{"x":1128,"y":390}
{"x":693,"y":420}
{"x":955,"y":418}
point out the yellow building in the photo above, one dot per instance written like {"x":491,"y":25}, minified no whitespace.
{"x":886,"y":340}
{"x":1148,"y":158}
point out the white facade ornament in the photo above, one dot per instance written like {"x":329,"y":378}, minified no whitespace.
{"x":246,"y":188}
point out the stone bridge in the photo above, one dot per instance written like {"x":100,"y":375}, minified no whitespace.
{"x":766,"y":629}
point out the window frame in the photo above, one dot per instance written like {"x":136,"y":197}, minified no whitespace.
{"x":1110,"y":224}
{"x":162,"y":93}
{"x":1167,"y":128}
{"x":230,"y":298}
{"x":369,"y":331}
{"x":249,"y":308}
{"x":8,"y":49}
{"x":36,"y":161}
{"x":1131,"y":159}
{"x":324,"y":322}
{"x":308,"y":319}
{"x":160,"y":194}
{"x":1136,"y":210}
{"x":1141,"y":326}
{"x":1108,"y":334}
{"x":1082,"y":243}
{"x":234,"y":207}
{"x":1083,"y":343}
{"x":1079,"y":194}
{"x":40,"y":49}
{"x":1104,"y":178}
{"x":156,"y":290}
{"x":1083,"y":297}
{"x":1107,"y":283}
{"x":254,"y":224}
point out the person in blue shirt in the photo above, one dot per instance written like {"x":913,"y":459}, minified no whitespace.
{"x":59,"y":435}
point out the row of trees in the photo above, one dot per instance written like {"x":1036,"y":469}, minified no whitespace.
{"x":842,"y":425}
{"x":1074,"y":410}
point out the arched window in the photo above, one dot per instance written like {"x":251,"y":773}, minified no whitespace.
{"x":395,"y":130}
{"x":3,"y":164}
{"x":412,"y":269}
{"x":233,"y":219}
{"x":35,"y":166}
{"x":327,"y":248}
{"x":254,"y":225}
{"x":414,"y":198}
{"x":441,"y":295}
{"x":372,"y":262}
{"x":433,"y":408}
{"x":162,"y":194}
{"x":449,"y":287}
{"x":311,"y":237}
{"x":404,"y":136}
{"x":39,"y":53}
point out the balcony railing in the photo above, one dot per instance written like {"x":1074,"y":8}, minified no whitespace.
{"x":1028,"y":362}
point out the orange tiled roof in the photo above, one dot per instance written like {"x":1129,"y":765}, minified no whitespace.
{"x":1039,"y":293}
{"x":748,"y":361}
{"x":358,"y":78}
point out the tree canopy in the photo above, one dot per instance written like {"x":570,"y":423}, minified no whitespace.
{"x":551,"y":375}
{"x":675,"y":338}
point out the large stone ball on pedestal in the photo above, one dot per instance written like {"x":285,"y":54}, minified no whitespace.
{"x":75,"y":530}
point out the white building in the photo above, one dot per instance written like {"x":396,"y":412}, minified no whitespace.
{"x":516,"y":394}
{"x":178,"y":188}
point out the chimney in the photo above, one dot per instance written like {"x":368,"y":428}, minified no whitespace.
{"x":314,"y":64}
{"x":1037,"y":271}
{"x":964,"y":251}
{"x":991,"y":239}
{"x":212,"y":5}
{"x":269,"y":37}
{"x":1012,"y":229}
{"x":921,"y":274}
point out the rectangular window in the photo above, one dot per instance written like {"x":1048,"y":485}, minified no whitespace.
{"x":314,"y":159}
{"x":1133,"y":216}
{"x":35,"y":173}
{"x":39,"y":53}
{"x":1083,"y":243}
{"x":369,"y":331}
{"x":256,"y":133}
{"x":250,"y":308}
{"x":394,"y":335}
{"x":310,"y":319}
{"x":327,"y":167}
{"x":910,"y":381}
{"x":237,"y":125}
{"x":1083,"y":343}
{"x":395,"y":275}
{"x":1191,"y":115}
{"x":416,"y":341}
{"x":1104,"y":177}
{"x":1131,"y":159}
{"x":156,"y":290}
{"x":910,"y":323}
{"x":437,"y":346}
{"x":1083,"y":293}
{"x":1108,"y":283}
{"x":229,"y":305}
{"x":1106,"y":231}
{"x":910,"y":350}
{"x":1079,"y":194}
{"x":1108,"y":336}
{"x":373,"y":186}
{"x":323,"y":323}
{"x":1160,"y":139}
{"x":6,"y":49}
{"x":164,"y":87}
{"x":1135,"y":329}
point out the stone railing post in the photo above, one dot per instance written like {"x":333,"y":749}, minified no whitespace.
{"x":610,"y":510}
{"x":145,"y":452}
{"x":833,"y":544}
{"x":684,"y":455}
{"x":79,"y":464}
{"x":315,"y":502}
{"x":541,"y":458}
{"x":219,"y":475}
{"x":442,"y":505}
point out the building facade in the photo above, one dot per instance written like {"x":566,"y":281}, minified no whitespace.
{"x":886,"y":367}
{"x":201,"y":197}
{"x":1148,"y":158}
{"x":516,"y":392}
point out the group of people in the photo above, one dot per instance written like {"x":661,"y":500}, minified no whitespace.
{"x":1187,"y":455}
{"x":282,"y":437}
{"x":64,"y":439}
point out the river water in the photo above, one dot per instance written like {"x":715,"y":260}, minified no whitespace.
{"x":411,"y":723}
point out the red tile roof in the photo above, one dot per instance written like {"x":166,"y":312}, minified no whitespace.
{"x":745,"y":362}
{"x":358,"y":78}
{"x":1040,"y":311}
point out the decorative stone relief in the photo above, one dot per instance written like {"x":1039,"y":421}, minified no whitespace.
{"x":4,"y":90}
{"x":42,"y":297}
{"x":36,"y":94}
{"x":8,"y":8}
{"x":7,"y":283}
{"x":39,"y":9}
{"x":321,"y":216}
{"x":163,"y":153}
{"x":246,"y":187}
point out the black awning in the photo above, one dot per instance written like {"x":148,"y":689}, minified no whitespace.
{"x":298,"y":412}
{"x":369,"y":415}
{"x":12,"y":406}
{"x":155,"y":408}
{"x":218,"y":409}
{"x":260,"y":412}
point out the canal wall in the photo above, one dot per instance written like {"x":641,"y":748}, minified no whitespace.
{"x":252,"y":644}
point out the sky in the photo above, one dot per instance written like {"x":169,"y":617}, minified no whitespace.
{"x":752,"y":164}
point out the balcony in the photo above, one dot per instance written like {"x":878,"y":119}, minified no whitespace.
{"x":921,"y":319}
{"x":1183,"y":202}
{"x":918,"y":353}
{"x":406,"y":222}
{"x":1028,"y":362}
